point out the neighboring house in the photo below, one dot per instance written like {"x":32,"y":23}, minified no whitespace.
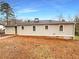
{"x":42,"y":28}
{"x":2,"y":29}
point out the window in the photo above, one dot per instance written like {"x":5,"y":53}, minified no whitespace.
{"x":61,"y":28}
{"x":34,"y":28}
{"x":46,"y":27}
{"x":22,"y":27}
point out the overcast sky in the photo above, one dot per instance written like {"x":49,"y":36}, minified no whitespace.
{"x":44,"y":9}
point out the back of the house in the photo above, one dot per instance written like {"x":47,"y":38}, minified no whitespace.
{"x":43,"y":28}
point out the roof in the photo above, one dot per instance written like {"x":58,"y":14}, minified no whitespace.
{"x":41,"y":22}
{"x":45,"y":22}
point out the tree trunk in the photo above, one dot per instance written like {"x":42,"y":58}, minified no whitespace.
{"x":7,"y":17}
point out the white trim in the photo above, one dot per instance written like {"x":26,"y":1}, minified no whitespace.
{"x":74,"y":30}
{"x":47,"y":35}
{"x":62,"y":35}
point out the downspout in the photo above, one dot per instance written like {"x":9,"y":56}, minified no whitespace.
{"x":74,"y":29}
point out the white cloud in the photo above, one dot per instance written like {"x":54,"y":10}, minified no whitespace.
{"x":21,"y":17}
{"x":27,"y":10}
{"x":56,"y":1}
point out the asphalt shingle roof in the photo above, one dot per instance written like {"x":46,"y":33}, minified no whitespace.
{"x":41,"y":22}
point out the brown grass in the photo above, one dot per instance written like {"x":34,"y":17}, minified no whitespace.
{"x":20,"y":47}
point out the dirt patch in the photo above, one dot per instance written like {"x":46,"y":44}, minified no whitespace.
{"x":20,"y":47}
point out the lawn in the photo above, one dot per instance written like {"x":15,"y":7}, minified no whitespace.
{"x":38,"y":48}
{"x":77,"y":37}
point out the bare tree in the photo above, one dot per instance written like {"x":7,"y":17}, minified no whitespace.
{"x":61,"y":18}
{"x":76,"y":19}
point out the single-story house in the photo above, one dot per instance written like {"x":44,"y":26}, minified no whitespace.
{"x":42,"y":28}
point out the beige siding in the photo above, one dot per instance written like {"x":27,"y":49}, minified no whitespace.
{"x":53,"y":30}
{"x":9,"y":30}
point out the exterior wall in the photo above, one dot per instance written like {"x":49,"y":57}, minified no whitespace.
{"x":53,"y":30}
{"x":9,"y":30}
